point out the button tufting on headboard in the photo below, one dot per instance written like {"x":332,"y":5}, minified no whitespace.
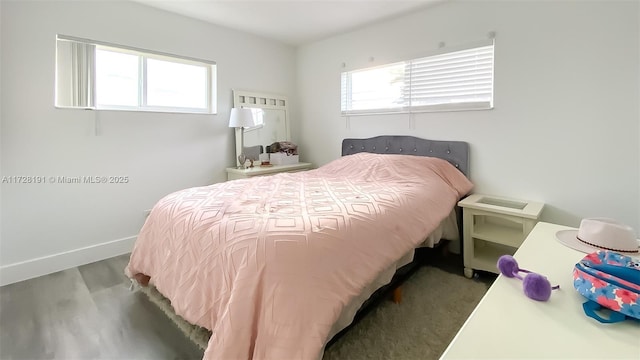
{"x":456,"y":152}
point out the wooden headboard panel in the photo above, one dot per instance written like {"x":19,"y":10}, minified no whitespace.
{"x":456,"y":152}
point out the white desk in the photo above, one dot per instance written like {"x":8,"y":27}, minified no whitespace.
{"x":508,"y":325}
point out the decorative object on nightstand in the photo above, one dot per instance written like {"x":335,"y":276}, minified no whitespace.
{"x":283,"y":153}
{"x":241,"y":118}
{"x":494,"y":226}
{"x":242,"y":160}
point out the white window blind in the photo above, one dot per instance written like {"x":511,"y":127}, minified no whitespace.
{"x":75,"y":74}
{"x":455,"y":80}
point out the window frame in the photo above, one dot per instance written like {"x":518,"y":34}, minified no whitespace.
{"x":407,"y":107}
{"x":143,"y":56}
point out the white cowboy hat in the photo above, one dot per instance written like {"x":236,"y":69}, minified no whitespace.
{"x":600,"y":234}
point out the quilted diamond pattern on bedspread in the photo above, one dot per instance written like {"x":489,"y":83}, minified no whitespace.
{"x":268,"y":263}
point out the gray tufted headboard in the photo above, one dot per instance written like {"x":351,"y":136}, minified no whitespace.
{"x":456,"y":152}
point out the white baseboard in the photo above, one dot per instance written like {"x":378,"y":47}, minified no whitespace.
{"x":29,"y":269}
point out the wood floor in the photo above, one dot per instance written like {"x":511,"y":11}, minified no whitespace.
{"x":86,"y":313}
{"x":89,"y":312}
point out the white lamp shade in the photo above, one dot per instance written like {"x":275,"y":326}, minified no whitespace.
{"x":241,"y":117}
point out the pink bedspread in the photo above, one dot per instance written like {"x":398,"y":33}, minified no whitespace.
{"x":268,"y":263}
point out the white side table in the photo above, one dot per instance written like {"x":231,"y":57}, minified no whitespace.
{"x":494,"y":226}
{"x":235,"y":173}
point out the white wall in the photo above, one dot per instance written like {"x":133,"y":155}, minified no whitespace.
{"x":47,"y":227}
{"x":565,"y":128}
{"x":1,"y":171}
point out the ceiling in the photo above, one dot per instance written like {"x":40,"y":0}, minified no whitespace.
{"x":293,"y":22}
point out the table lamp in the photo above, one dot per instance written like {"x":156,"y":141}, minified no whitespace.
{"x":241,"y":118}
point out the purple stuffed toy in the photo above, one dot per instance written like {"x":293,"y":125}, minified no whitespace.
{"x":536,"y":286}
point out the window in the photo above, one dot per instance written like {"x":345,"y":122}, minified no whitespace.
{"x":104,"y":76}
{"x":455,"y":80}
{"x":117,"y":79}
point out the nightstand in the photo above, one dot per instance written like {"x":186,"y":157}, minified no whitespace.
{"x":494,"y":226}
{"x":235,"y":173}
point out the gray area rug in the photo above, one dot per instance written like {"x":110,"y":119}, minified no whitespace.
{"x":434,"y":306}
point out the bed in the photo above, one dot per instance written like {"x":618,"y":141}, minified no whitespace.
{"x":276,"y":266}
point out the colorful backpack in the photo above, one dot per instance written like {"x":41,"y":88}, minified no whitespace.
{"x":611,"y":280}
